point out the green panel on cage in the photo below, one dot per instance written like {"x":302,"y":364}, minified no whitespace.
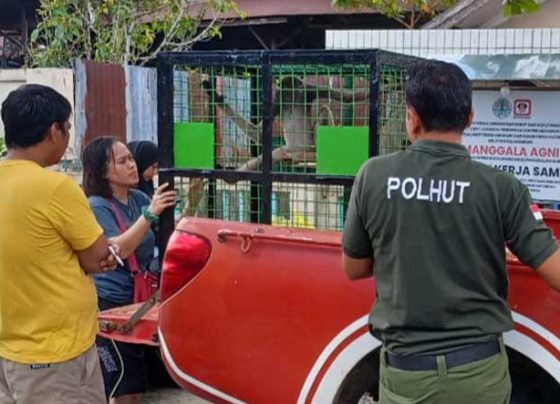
{"x":194,"y":145}
{"x":341,"y":150}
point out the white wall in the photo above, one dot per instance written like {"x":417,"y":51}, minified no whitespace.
{"x":449,"y":42}
{"x":61,"y":80}
{"x":10,"y":79}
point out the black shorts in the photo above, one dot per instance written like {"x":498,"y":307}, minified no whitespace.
{"x":123,"y":365}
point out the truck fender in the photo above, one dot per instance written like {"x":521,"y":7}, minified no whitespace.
{"x":354,"y":343}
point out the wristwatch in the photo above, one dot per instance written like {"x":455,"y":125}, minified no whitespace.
{"x":149,"y":215}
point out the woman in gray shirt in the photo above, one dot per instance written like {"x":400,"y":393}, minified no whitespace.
{"x":126,"y":216}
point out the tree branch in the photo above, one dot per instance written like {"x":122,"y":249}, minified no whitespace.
{"x":115,"y":29}
{"x":413,"y":15}
{"x":128,"y":38}
{"x":177,"y":46}
{"x":166,"y":38}
{"x":387,"y":5}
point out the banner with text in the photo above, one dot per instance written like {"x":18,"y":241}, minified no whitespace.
{"x":519,"y":133}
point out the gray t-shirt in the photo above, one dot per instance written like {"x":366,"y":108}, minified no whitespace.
{"x":436,"y":223}
{"x":117,"y":286}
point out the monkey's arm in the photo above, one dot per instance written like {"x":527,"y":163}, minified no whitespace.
{"x":339,"y":94}
{"x":252,"y":130}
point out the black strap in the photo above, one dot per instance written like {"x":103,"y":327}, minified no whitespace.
{"x":459,"y":357}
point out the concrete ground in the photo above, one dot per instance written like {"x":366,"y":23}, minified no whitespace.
{"x":169,"y":395}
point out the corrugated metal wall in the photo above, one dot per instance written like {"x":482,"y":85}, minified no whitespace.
{"x":141,"y":103}
{"x":105,"y":101}
{"x":115,"y":100}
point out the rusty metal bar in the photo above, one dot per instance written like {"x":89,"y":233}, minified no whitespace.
{"x":258,"y":234}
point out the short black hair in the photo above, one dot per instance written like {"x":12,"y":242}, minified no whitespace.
{"x":96,"y":157}
{"x":441,"y":94}
{"x":29,"y":111}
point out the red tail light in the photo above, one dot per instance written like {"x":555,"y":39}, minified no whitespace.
{"x":185,"y":256}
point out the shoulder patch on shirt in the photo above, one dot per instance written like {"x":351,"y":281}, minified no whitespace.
{"x":536,"y":212}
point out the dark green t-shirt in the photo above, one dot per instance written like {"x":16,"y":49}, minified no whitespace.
{"x":435,"y":223}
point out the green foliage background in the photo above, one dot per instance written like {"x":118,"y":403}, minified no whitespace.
{"x":410,"y":12}
{"x":121,"y":31}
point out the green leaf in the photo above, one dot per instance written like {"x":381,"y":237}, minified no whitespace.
{"x":59,"y":32}
{"x":517,"y":7}
{"x":34,"y":36}
{"x":529,"y":6}
{"x":507,"y":10}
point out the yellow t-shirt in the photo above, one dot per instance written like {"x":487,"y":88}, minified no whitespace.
{"x":48,"y":305}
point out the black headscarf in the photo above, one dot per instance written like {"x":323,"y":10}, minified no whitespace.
{"x":145,"y":154}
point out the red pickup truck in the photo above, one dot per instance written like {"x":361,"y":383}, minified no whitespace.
{"x":262,"y":314}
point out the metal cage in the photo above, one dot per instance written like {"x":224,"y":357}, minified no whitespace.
{"x":275,"y":137}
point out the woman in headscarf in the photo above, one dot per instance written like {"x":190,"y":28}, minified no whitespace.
{"x":145,"y":155}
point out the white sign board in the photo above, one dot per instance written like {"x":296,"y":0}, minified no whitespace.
{"x":519,"y":133}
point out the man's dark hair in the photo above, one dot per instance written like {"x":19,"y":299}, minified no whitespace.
{"x":29,"y":111}
{"x":441,"y":94}
{"x":96,"y":157}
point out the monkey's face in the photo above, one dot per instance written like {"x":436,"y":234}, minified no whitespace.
{"x":289,"y":89}
{"x":291,"y":82}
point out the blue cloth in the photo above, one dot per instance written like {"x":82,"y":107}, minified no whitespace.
{"x":117,"y":286}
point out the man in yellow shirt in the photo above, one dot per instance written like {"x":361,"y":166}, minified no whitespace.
{"x":49,"y":244}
